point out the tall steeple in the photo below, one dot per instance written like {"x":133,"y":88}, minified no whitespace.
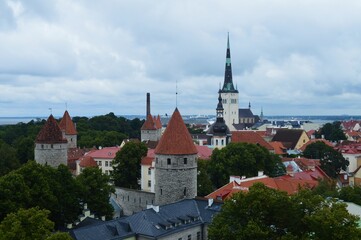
{"x":228,"y":82}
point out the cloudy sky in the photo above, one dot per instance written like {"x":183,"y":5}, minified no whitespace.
{"x":289,"y":57}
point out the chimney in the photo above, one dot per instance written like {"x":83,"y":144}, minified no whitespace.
{"x":260,"y":173}
{"x":235,"y":178}
{"x":148,"y":104}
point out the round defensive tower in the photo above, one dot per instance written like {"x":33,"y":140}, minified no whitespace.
{"x":175,"y":163}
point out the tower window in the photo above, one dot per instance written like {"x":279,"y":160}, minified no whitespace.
{"x":168,"y":161}
{"x":52,"y":146}
{"x":149,"y":183}
{"x":185,"y":191}
{"x":161,"y":191}
{"x":185,"y":160}
{"x":149,"y":171}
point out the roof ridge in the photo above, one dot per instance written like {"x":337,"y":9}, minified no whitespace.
{"x":50,"y":133}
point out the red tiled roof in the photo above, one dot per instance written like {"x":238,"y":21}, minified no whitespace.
{"x":158,"y":123}
{"x":204,"y":152}
{"x":104,"y":153}
{"x":67,"y":125}
{"x":50,"y":133}
{"x":87,"y":161}
{"x":149,"y":123}
{"x":278,"y":147}
{"x":313,"y":141}
{"x":353,"y":133}
{"x":176,"y":138}
{"x":250,"y":137}
{"x":311,"y":132}
{"x":147,"y":160}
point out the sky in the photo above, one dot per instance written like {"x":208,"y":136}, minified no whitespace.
{"x":95,"y":57}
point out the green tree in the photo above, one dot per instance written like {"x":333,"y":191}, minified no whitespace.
{"x":126,"y":165}
{"x":265,"y":213}
{"x":242,"y":159}
{"x":26,"y":224}
{"x":332,"y":161}
{"x":25,"y":149}
{"x":332,"y":132}
{"x":60,"y":236}
{"x":96,"y":190}
{"x":8,"y":159}
{"x":351,"y":194}
{"x":204,"y":183}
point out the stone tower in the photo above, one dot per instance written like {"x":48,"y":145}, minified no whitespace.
{"x":68,"y":129}
{"x":229,"y":94}
{"x":218,"y":135}
{"x":50,"y":145}
{"x":152,"y":127}
{"x":175,"y":163}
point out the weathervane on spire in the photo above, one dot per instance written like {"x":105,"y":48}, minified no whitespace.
{"x":176,"y":93}
{"x":51,"y":111}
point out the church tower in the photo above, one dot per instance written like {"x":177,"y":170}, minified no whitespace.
{"x":68,"y":129}
{"x":229,"y":94}
{"x":218,"y":135}
{"x":50,"y":145}
{"x":152,"y":127}
{"x":175,"y":163}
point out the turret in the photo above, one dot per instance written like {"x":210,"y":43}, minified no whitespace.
{"x":68,"y":129}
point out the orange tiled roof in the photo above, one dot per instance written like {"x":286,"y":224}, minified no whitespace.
{"x":147,"y":160}
{"x":313,"y":141}
{"x":176,"y":138}
{"x":204,"y":152}
{"x":87,"y":161}
{"x":250,"y":137}
{"x":158,"y":122}
{"x":149,"y":123}
{"x":278,"y":147}
{"x":67,"y":125}
{"x":104,"y":153}
{"x":50,"y":133}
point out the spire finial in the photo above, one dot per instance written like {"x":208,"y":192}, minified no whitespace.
{"x":228,"y":40}
{"x":51,"y":111}
{"x":66,"y":106}
{"x":176,"y":93}
{"x":249,"y":105}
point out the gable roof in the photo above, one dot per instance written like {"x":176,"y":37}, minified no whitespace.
{"x":289,"y":137}
{"x":158,"y":122}
{"x":67,"y":125}
{"x":245,"y":113}
{"x":50,"y":133}
{"x":104,"y":153}
{"x":87,"y":161}
{"x":250,"y":137}
{"x":176,"y":138}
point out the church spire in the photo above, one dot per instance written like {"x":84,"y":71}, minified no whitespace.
{"x":220,"y":108}
{"x":228,"y":82}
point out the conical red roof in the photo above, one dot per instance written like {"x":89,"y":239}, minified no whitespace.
{"x":149,"y":123}
{"x":50,"y":133}
{"x":67,"y":125}
{"x":176,"y":138}
{"x":158,"y":122}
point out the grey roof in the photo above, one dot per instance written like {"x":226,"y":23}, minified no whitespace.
{"x":219,"y":129}
{"x":170,"y":219}
{"x":243,"y":126}
{"x":245,"y":113}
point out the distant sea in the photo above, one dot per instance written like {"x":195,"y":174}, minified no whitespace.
{"x":205,"y":118}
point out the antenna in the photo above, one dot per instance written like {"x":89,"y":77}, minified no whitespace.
{"x":176,"y":93}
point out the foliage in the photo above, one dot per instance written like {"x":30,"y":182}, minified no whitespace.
{"x":332,"y":161}
{"x":204,"y":183}
{"x":26,"y":224}
{"x":326,"y":188}
{"x":331,"y":132}
{"x":242,"y":159}
{"x":265,"y":213}
{"x":95,"y":191}
{"x":351,"y":194}
{"x":8,"y":159}
{"x":126,"y":170}
{"x":60,"y":236}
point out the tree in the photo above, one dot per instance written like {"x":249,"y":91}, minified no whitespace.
{"x":96,"y":190}
{"x":242,"y":159}
{"x":26,"y":224}
{"x":8,"y":159}
{"x":60,"y":236}
{"x":332,"y":161}
{"x":265,"y":213}
{"x":332,"y":132}
{"x":126,"y":165}
{"x":204,"y":183}
{"x":25,"y":149}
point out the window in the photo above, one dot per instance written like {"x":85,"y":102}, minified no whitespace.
{"x":161,"y":192}
{"x":106,"y":163}
{"x":185,"y":191}
{"x":222,"y":142}
{"x":51,"y":146}
{"x":149,"y":183}
{"x":71,"y":139}
{"x":42,"y":146}
{"x":185,"y":160}
{"x":168,"y":161}
{"x":156,"y":160}
{"x":198,"y":235}
{"x":189,"y":237}
{"x":149,"y":171}
{"x":216,"y":142}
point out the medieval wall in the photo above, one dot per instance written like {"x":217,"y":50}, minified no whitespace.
{"x":133,"y":201}
{"x":51,"y":154}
